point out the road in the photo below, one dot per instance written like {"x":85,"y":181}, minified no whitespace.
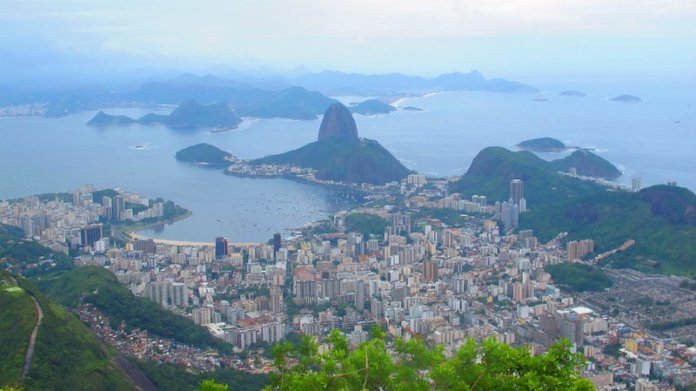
{"x":32,"y":339}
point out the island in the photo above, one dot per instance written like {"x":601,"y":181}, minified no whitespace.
{"x":542,"y":144}
{"x":572,"y":93}
{"x":411,"y":108}
{"x":189,"y":114}
{"x":372,"y":107}
{"x":626,"y":99}
{"x":206,"y":155}
{"x":103,"y":119}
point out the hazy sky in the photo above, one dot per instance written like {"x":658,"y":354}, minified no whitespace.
{"x":508,"y":38}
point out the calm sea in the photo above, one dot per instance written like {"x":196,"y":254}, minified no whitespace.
{"x":655,"y":140}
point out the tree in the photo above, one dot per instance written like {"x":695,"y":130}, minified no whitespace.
{"x":413,"y":366}
{"x":211,"y":385}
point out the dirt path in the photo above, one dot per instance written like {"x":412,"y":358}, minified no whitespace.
{"x":32,"y":339}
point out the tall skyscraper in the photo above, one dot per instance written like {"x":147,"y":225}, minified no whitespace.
{"x":222,"y":247}
{"x":276,"y":244}
{"x":635,"y":183}
{"x":119,"y":207}
{"x":516,"y":191}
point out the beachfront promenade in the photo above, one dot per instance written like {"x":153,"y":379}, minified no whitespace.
{"x":168,"y":242}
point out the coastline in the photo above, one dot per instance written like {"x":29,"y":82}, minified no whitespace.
{"x":128,"y":231}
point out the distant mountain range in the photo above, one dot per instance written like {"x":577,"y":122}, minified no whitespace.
{"x":340,"y":155}
{"x":293,"y":97}
{"x":189,"y":114}
{"x":337,"y":83}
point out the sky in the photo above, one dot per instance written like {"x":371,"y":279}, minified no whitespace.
{"x":501,"y":38}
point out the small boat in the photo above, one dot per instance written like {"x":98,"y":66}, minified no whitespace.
{"x":541,"y":99}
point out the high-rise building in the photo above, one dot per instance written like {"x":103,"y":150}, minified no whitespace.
{"x":430,"y":270}
{"x":516,"y":191}
{"x":222,"y":247}
{"x":118,"y":207}
{"x":635,"y":183}
{"x":578,"y":249}
{"x":276,"y":244}
{"x":90,"y":234}
{"x":145,"y":245}
{"x":276,"y":300}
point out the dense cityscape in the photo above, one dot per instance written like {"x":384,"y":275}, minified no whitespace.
{"x":399,"y":267}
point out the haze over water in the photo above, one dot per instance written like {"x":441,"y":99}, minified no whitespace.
{"x":39,"y":155}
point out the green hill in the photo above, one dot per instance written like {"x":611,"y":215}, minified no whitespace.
{"x":103,"y":119}
{"x":294,"y":103}
{"x":340,"y":155}
{"x":364,"y":162}
{"x":588,"y":164}
{"x":16,"y":324}
{"x":661,"y":219}
{"x":100,"y":287}
{"x":372,"y":107}
{"x":206,"y":154}
{"x":67,"y":356}
{"x":27,"y":257}
{"x":493,"y":168}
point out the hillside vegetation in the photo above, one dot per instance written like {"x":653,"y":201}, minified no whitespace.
{"x":364,"y":162}
{"x":210,"y":155}
{"x":417,"y":367}
{"x":493,"y":168}
{"x":27,"y":257}
{"x":17,"y":317}
{"x":661,"y":219}
{"x":100,"y":287}
{"x":172,"y":377}
{"x":67,"y":355}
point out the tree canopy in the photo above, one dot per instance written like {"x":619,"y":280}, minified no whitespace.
{"x":414,"y":366}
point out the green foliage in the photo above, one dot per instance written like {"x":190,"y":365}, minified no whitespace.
{"x":17,"y":318}
{"x":578,"y":277}
{"x":365,"y":223}
{"x":372,"y":106}
{"x":657,"y":218}
{"x":67,"y":356}
{"x":26,"y":256}
{"x":415,"y":367}
{"x":337,"y":160}
{"x":673,"y":324}
{"x":213,"y":156}
{"x":98,"y":286}
{"x":542,"y":144}
{"x":450,"y":217}
{"x":210,"y":385}
{"x":172,"y":377}
{"x":98,"y":195}
{"x":587,"y":163}
{"x":493,"y":168}
{"x":612,"y":349}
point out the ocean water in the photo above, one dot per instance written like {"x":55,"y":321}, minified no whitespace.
{"x":655,"y":140}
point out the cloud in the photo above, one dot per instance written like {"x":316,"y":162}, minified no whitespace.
{"x":331,"y":33}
